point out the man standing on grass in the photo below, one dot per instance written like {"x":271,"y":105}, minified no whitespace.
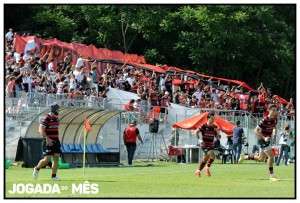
{"x":129,"y":137}
{"x":264,"y":131}
{"x":49,"y":131}
{"x":209,"y":131}
{"x":238,"y":136}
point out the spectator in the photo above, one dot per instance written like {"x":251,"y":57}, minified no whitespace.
{"x":285,"y":142}
{"x":93,"y":75}
{"x":214,"y":95}
{"x":191,"y":90}
{"x":183,"y":98}
{"x":129,"y":105}
{"x":153,"y":99}
{"x":10,"y":87}
{"x":193,"y":102}
{"x":27,"y":57}
{"x":68,"y":59}
{"x":10,"y":37}
{"x":168,"y":85}
{"x":290,"y":108}
{"x":164,"y":103}
{"x":129,"y":137}
{"x":80,"y":62}
{"x":127,"y":86}
{"x":238,"y":136}
{"x":162,"y":82}
{"x":137,"y":105}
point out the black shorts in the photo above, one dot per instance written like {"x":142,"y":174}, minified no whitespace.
{"x":50,"y":150}
{"x":263,"y":144}
{"x":206,"y":149}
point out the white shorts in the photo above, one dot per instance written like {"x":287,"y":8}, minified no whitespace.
{"x":265,"y":149}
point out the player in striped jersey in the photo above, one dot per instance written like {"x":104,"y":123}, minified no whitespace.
{"x":49,"y":131}
{"x":209,"y":131}
{"x":264,"y":131}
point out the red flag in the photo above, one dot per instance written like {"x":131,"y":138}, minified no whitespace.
{"x":87,"y":125}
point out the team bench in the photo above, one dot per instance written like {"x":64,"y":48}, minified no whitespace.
{"x":95,"y":154}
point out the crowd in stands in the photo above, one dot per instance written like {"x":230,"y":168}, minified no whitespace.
{"x":33,"y":73}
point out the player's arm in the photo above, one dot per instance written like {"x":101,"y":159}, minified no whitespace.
{"x":196,"y":133}
{"x":218,"y":134}
{"x":43,"y":134}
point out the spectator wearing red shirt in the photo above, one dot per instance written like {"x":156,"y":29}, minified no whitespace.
{"x":129,"y":105}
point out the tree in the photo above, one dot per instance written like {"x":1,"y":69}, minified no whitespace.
{"x":252,"y":43}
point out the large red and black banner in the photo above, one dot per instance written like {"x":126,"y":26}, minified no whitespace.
{"x":58,"y":50}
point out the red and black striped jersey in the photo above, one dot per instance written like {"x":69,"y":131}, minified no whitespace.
{"x":51,"y":124}
{"x":267,"y":125}
{"x":208,"y":134}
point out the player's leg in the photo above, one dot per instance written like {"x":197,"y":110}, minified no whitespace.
{"x":202,"y":163}
{"x":270,"y":156}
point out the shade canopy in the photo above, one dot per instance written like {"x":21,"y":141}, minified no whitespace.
{"x":194,"y":122}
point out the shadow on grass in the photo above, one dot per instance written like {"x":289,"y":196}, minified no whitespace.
{"x":140,"y":165}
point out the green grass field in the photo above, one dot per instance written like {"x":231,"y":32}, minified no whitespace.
{"x":163,"y":180}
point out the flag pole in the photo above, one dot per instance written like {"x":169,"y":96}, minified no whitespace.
{"x":84,"y":138}
{"x":88,"y":128}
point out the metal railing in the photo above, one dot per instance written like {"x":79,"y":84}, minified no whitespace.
{"x":27,"y":105}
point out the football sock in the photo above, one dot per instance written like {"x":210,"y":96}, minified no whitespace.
{"x":202,"y":164}
{"x":210,"y":161}
{"x":271,"y":170}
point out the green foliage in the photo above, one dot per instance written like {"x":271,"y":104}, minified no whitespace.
{"x":230,"y":41}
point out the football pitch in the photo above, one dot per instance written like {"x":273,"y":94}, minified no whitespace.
{"x":161,"y":180}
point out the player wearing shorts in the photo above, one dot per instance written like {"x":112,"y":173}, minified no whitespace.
{"x":49,"y":131}
{"x":264,"y":131}
{"x":209,"y":131}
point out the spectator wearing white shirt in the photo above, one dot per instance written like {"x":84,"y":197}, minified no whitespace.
{"x":72,"y":82}
{"x":10,"y":36}
{"x":17,"y":56}
{"x":162,"y":83}
{"x":51,"y":69}
{"x":26,"y":80}
{"x":130,"y":79}
{"x":27,"y":56}
{"x":80,"y":62}
{"x":51,"y":66}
